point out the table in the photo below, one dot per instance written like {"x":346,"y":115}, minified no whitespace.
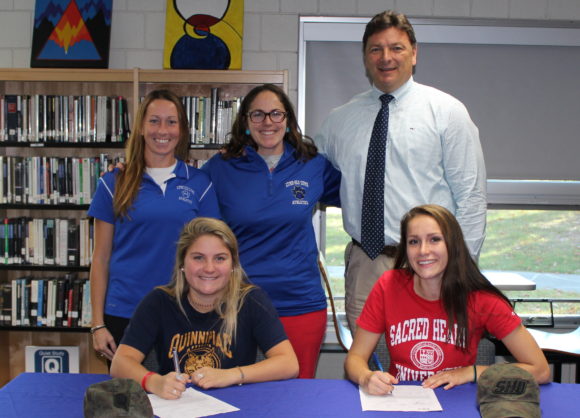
{"x":37,"y":395}
{"x":509,"y":281}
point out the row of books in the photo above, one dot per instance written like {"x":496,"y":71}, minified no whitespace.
{"x":46,"y":302}
{"x":51,"y":180}
{"x":103,"y":119}
{"x":47,"y":242}
{"x":55,"y":118}
{"x":210,"y":119}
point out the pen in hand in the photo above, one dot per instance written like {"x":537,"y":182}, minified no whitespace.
{"x":377,"y":361}
{"x":176,"y":364}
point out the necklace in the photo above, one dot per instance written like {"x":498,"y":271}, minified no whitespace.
{"x":200,"y":305}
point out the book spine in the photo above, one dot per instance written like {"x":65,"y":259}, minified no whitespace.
{"x":59,"y":298}
{"x":74,"y":303}
{"x":40,"y":306}
{"x":5,"y":243}
{"x":2,"y":118}
{"x":25,"y":311}
{"x":69,"y":304}
{"x":10,"y":241}
{"x":126,"y":126}
{"x":50,"y":302}
{"x":3,"y":165}
{"x":45,"y":297}
{"x":11,"y":101}
{"x":14,"y":313}
{"x":62,"y":242}
{"x":49,"y":237}
{"x":6,"y":312}
{"x":86,"y":179}
{"x":73,"y":244}
{"x":214,"y":115}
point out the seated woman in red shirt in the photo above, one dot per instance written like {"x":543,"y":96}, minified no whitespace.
{"x":434,"y":308}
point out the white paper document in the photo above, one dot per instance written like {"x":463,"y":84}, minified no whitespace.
{"x":403,"y":398}
{"x":191,"y":404}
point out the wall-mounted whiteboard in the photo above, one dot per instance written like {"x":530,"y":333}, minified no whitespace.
{"x":520,"y":82}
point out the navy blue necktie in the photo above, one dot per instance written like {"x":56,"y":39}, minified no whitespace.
{"x":373,"y":214}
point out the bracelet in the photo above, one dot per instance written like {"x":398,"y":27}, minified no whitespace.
{"x":242,"y":376}
{"x":144,"y":380}
{"x":474,"y":374}
{"x":98,"y":327}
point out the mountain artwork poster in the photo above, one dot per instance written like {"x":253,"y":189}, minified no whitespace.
{"x":71,"y":34}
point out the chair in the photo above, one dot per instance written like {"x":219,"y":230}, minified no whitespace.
{"x":380,"y":358}
{"x":150,"y":361}
{"x":559,"y":348}
{"x":343,"y":334}
{"x":485,"y":352}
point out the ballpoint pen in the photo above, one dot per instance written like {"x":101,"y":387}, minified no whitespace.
{"x":377,"y":361}
{"x":176,"y":364}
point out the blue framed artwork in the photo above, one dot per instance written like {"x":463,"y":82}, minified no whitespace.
{"x":71,"y":34}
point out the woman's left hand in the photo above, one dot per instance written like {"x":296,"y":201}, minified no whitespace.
{"x":449,"y":378}
{"x":208,"y":377}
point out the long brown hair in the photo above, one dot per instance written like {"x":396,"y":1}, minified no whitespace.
{"x":461,"y":277}
{"x":129,"y":179}
{"x":239,"y":139}
{"x":231,"y":301}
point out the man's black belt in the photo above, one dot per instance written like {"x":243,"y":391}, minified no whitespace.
{"x":388,"y":250}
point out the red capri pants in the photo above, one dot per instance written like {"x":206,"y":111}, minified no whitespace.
{"x":306,"y":333}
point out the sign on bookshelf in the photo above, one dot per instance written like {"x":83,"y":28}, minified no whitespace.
{"x":58,"y":359}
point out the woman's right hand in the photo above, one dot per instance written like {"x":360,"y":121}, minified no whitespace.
{"x":104,"y":343}
{"x":169,"y":386}
{"x":378,"y":383}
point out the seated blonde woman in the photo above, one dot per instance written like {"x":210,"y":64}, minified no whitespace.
{"x":211,"y":316}
{"x":434,"y":308}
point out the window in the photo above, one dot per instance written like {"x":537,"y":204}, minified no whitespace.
{"x":541,"y":245}
{"x":336,"y":240}
{"x":517,"y":133}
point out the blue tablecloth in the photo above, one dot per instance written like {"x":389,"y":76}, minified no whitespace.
{"x":39,"y":395}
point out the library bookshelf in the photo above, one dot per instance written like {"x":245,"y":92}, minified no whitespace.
{"x":131,"y":85}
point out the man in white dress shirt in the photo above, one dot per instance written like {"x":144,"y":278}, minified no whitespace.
{"x":433,"y":153}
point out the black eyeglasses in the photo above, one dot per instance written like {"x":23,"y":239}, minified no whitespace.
{"x":258,"y":116}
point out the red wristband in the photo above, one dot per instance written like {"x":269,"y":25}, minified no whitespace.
{"x":144,"y":380}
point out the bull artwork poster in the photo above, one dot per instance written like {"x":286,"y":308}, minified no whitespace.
{"x":71,"y":34}
{"x":204,"y":34}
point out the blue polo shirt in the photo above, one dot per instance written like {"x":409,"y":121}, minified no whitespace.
{"x":143,"y":252}
{"x":271,"y":215}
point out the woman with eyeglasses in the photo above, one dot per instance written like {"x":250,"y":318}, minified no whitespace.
{"x":268,"y":180}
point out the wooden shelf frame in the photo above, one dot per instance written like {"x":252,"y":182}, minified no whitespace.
{"x":14,"y":80}
{"x":132,"y":84}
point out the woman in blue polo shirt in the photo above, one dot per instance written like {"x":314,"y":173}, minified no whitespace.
{"x":139,"y":213}
{"x":268,"y":180}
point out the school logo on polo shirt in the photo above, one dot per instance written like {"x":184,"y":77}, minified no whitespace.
{"x":298,"y":188}
{"x":185,"y":194}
